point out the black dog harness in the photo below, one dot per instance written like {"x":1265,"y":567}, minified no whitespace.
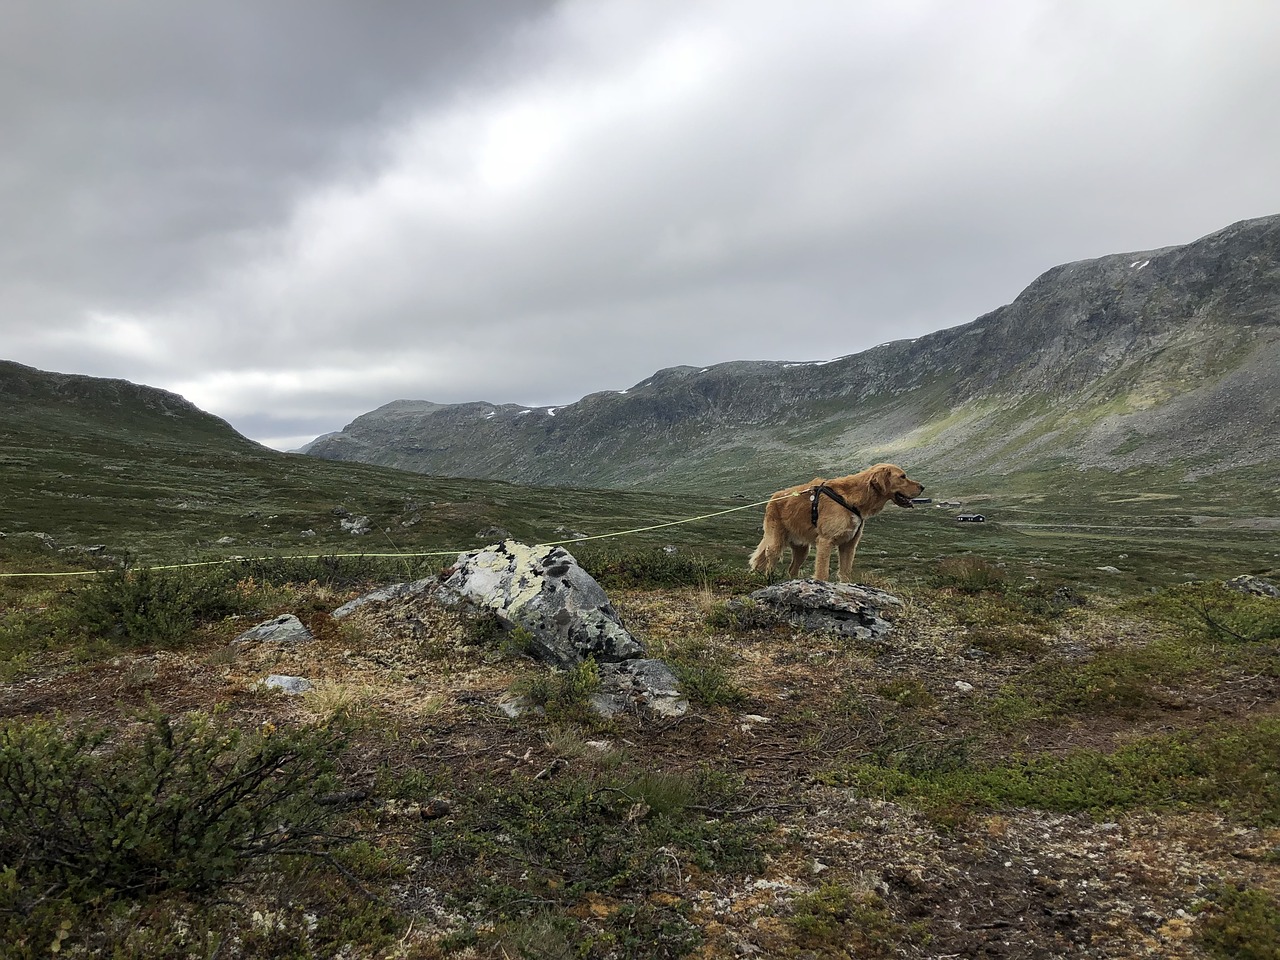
{"x":822,"y":489}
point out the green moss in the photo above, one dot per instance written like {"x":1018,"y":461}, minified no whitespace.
{"x":1240,"y":924}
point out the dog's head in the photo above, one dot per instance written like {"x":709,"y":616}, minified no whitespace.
{"x":891,"y":481}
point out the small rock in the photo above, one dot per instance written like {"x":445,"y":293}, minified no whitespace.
{"x":493,"y":534}
{"x":963,"y":687}
{"x":514,"y":707}
{"x":292,"y":686}
{"x":225,"y":541}
{"x":284,"y":629}
{"x":1255,"y":586}
{"x":1107,"y":569}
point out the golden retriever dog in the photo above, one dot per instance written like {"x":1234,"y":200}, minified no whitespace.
{"x":829,"y":513}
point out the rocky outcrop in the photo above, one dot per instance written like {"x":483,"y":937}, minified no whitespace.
{"x":564,"y":614}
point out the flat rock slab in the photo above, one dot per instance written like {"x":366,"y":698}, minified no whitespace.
{"x":293,"y":686}
{"x":822,"y":606}
{"x":285,"y":629}
{"x":393,"y":592}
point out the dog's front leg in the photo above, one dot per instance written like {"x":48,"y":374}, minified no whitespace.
{"x":822,"y":559}
{"x":847,"y":551}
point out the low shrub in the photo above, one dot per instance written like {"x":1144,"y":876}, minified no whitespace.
{"x":1122,"y":682}
{"x":153,"y":606}
{"x":1235,"y":769}
{"x":1210,"y":612}
{"x":970,"y":575}
{"x":589,"y":864}
{"x":615,"y":569}
{"x":701,"y":678}
{"x":184,"y":807}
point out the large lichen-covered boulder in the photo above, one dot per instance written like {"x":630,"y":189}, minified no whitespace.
{"x":545,"y":591}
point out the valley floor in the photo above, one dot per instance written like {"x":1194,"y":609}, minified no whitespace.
{"x":1017,"y":773}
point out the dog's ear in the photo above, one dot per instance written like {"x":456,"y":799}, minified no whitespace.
{"x":882,"y":479}
{"x":879,"y":481}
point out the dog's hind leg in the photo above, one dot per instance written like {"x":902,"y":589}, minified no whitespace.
{"x":799,"y":552}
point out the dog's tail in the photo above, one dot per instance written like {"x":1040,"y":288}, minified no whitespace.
{"x":763,"y":559}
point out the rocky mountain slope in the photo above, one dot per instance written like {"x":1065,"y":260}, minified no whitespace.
{"x":40,"y":408}
{"x":1167,"y":358}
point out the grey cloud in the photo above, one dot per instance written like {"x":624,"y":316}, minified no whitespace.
{"x":299,"y":212}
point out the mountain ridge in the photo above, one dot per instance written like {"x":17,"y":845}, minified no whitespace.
{"x":1167,"y":357}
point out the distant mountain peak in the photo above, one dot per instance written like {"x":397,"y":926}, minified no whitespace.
{"x":1167,"y":357}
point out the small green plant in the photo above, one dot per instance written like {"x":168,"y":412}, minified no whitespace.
{"x":518,"y":642}
{"x":1241,"y":924}
{"x":907,"y":692}
{"x":563,"y":694}
{"x":701,"y":678}
{"x":737,"y":615}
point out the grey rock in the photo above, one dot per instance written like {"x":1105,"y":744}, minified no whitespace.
{"x":356,"y":526}
{"x":293,"y":686}
{"x":546,"y":592}
{"x":826,"y":607}
{"x":514,"y":707}
{"x":284,"y":629}
{"x":1255,"y":586}
{"x":493,"y":534}
{"x":225,"y":541}
{"x":393,"y":592}
{"x":1108,"y":569}
{"x":643,"y":684}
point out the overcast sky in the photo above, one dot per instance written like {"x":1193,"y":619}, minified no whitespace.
{"x":294,"y":211}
